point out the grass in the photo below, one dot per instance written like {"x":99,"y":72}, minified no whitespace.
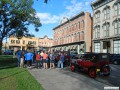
{"x":18,"y":79}
{"x":7,"y":61}
{"x":14,"y":78}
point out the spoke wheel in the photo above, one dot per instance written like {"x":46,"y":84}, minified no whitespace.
{"x":106,"y":71}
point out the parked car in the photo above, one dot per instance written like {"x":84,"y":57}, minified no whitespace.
{"x":8,"y":52}
{"x":115,"y":58}
{"x":92,"y":63}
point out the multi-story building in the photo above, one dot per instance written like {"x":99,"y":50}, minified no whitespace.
{"x":74,"y":33}
{"x":23,"y":43}
{"x":31,"y":42}
{"x":45,"y":43}
{"x":106,"y":26}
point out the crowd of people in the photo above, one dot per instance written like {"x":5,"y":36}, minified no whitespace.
{"x":42,"y":59}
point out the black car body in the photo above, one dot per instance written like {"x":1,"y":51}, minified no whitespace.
{"x":8,"y":52}
{"x":115,"y":59}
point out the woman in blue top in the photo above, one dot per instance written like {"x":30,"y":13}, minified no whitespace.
{"x":28,"y":58}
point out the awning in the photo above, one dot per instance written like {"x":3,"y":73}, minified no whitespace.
{"x":71,"y":47}
{"x":68,"y":47}
{"x":62,"y":49}
{"x":75,"y":47}
{"x":81,"y":46}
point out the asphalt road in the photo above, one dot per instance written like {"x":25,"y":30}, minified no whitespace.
{"x":64,"y":79}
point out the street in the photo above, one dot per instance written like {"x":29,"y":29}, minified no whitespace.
{"x":64,"y":79}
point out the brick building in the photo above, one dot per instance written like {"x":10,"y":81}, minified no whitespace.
{"x":74,"y":33}
{"x":106,"y":26}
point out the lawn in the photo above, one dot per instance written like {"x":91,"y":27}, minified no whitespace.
{"x":15,"y":78}
{"x":18,"y":79}
{"x":7,"y":61}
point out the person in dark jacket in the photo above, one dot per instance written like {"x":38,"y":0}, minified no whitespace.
{"x":61,"y":61}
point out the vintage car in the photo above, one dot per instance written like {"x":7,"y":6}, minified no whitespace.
{"x":92,"y":63}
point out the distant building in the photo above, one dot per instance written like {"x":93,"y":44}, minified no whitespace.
{"x":74,"y":33}
{"x":30,"y":42}
{"x":45,"y":43}
{"x":106,"y":26}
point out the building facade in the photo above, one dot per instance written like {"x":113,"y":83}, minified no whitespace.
{"x":45,"y":43}
{"x":106,"y":26}
{"x":31,"y":42}
{"x":74,"y":33}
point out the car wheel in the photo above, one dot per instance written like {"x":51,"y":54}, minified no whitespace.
{"x":72,"y":67}
{"x":92,"y":72}
{"x":106,"y":71}
{"x":115,"y":62}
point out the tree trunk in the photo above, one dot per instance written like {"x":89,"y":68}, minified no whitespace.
{"x":0,"y":47}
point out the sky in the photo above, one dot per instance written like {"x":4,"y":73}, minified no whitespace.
{"x":50,"y":14}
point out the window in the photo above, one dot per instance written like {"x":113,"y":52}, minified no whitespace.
{"x":106,"y":29}
{"x":78,"y":25}
{"x":117,"y":9}
{"x":23,"y":41}
{"x":106,"y":13}
{"x":34,"y":42}
{"x":117,"y":47}
{"x":97,"y":47}
{"x":17,"y":41}
{"x":30,"y":42}
{"x":97,"y":32}
{"x":82,"y":23}
{"x":97,"y":17}
{"x":12,"y":41}
{"x":117,"y":27}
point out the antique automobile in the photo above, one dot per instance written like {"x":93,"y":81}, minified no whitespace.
{"x":92,"y":63}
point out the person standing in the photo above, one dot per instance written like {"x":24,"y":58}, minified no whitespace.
{"x":28,"y":57}
{"x":61,"y":61}
{"x":18,"y":53}
{"x":45,"y":59}
{"x":38,"y":65}
{"x":22,"y":59}
{"x":41,"y":58}
{"x":52,"y":60}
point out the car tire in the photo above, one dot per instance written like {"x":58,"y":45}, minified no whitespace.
{"x":92,"y":72}
{"x":106,"y":71}
{"x":115,"y":62}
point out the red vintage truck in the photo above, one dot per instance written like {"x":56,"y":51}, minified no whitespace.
{"x":92,"y":63}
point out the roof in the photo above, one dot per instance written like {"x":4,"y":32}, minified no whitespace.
{"x":76,"y":16}
{"x":95,"y":2}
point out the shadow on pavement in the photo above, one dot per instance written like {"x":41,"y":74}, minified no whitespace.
{"x":112,"y":80}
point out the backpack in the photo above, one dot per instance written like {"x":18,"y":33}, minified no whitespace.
{"x":52,"y":57}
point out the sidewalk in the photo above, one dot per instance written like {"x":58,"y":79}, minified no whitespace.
{"x":62,"y":79}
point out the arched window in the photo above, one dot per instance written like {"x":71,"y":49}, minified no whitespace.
{"x":106,"y":26}
{"x":97,"y":31}
{"x":116,"y":7}
{"x":116,"y":25}
{"x":97,"y":16}
{"x":78,"y":37}
{"x":82,"y":35}
{"x":83,"y":24}
{"x":106,"y":12}
{"x":72,"y":38}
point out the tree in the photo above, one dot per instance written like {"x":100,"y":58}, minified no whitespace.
{"x":15,"y":17}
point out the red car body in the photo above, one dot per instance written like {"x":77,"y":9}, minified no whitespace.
{"x":92,"y":63}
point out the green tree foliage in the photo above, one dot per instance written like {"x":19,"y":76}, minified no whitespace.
{"x":15,"y":17}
